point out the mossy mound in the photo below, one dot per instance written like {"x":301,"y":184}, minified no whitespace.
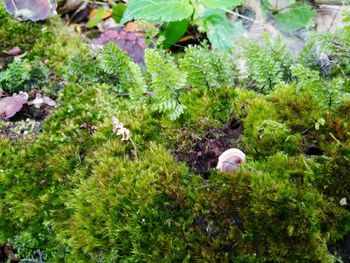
{"x":78,"y":193}
{"x":48,"y":41}
{"x":82,"y":194}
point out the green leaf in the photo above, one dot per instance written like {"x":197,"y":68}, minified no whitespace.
{"x":97,"y":18}
{"x":173,"y":32}
{"x":299,"y":16}
{"x":158,"y":10}
{"x":118,"y":11}
{"x":219,"y":29}
{"x":221,"y":3}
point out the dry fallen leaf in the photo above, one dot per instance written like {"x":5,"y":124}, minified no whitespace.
{"x":343,"y":202}
{"x":69,"y":6}
{"x":119,"y":129}
{"x":130,"y":42}
{"x":9,"y":253}
{"x":40,"y":100}
{"x":50,"y":102}
{"x":9,"y":106}
{"x":31,"y":9}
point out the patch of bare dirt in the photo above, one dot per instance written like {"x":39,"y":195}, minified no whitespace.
{"x":342,"y":249}
{"x":203,"y":153}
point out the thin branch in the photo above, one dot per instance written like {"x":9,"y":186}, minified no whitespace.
{"x":244,"y":17}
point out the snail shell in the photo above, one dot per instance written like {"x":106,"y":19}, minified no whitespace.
{"x":230,"y":159}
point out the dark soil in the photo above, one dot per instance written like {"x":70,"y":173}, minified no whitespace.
{"x":32,"y":112}
{"x":342,"y":249}
{"x":203,"y":154}
{"x":7,"y":255}
{"x":17,"y":127}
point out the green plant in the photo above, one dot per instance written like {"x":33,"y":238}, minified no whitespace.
{"x":78,"y":193}
{"x":268,"y":64}
{"x":207,"y":69}
{"x":209,"y":15}
{"x":20,"y":75}
{"x":166,"y":83}
{"x":329,"y":93}
{"x":23,"y":35}
{"x":292,"y":17}
{"x":161,"y":82}
{"x":15,"y":75}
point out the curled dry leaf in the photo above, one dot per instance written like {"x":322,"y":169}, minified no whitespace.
{"x":50,"y":102}
{"x":7,"y":56}
{"x":13,"y":52}
{"x":230,"y":160}
{"x":90,"y":128}
{"x":31,"y":9}
{"x":40,"y":100}
{"x":9,"y":253}
{"x":9,"y":106}
{"x":119,"y":129}
{"x":343,"y":202}
{"x":130,"y":42}
{"x":68,"y":6}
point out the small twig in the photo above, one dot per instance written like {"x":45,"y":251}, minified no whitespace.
{"x":244,"y":17}
{"x":339,"y":143}
{"x":333,"y":19}
{"x":184,"y":88}
{"x":95,"y":2}
{"x":135,"y":149}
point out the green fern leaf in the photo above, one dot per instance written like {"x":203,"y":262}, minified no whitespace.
{"x":158,"y":11}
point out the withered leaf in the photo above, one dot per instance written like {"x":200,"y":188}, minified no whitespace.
{"x":9,"y":106}
{"x":132,"y":43}
{"x":30,"y":9}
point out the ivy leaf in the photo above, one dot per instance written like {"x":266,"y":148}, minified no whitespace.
{"x":30,"y":9}
{"x":299,"y":16}
{"x":118,"y":11}
{"x":173,"y":32}
{"x":219,"y":29}
{"x":158,"y":10}
{"x":222,"y":3}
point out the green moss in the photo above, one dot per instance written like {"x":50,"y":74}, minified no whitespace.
{"x":49,"y":40}
{"x":80,"y":194}
{"x":23,"y":35}
{"x":146,"y":216}
{"x":297,"y":109}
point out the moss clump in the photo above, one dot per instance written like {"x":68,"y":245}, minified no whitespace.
{"x":23,"y":35}
{"x":78,"y":193}
{"x":149,"y":209}
{"x":49,"y":40}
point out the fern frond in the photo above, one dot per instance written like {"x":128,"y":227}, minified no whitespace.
{"x":206,"y":68}
{"x":166,"y":81}
{"x":114,"y":61}
{"x":269,"y":63}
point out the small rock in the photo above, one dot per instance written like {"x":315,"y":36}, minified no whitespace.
{"x":343,"y":202}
